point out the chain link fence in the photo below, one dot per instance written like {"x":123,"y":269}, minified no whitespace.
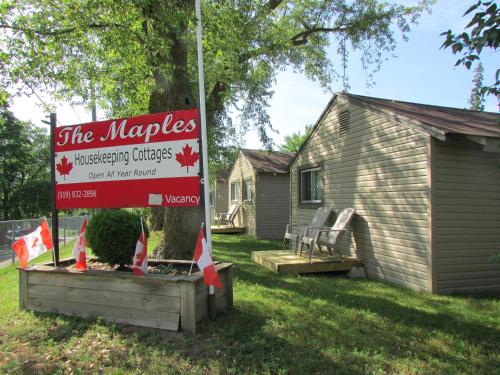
{"x":11,"y":230}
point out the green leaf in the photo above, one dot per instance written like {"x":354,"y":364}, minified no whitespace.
{"x":473,"y":7}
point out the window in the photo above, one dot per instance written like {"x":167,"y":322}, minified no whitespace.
{"x":247,"y":190}
{"x":310,"y":185}
{"x":235,"y":191}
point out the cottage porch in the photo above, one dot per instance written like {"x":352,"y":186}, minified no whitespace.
{"x":286,"y":261}
{"x":227,"y":229}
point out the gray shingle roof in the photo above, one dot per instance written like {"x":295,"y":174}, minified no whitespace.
{"x":446,"y":120}
{"x":268,"y":161}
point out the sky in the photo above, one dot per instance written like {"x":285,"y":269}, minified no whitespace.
{"x":421,"y":72}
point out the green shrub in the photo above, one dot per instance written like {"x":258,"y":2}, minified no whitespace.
{"x":113,"y":234}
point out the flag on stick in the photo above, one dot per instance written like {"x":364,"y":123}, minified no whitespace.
{"x":203,"y":259}
{"x":140,"y":260}
{"x":79,"y":252}
{"x":33,"y":244}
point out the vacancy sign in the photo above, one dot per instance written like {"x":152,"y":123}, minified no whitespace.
{"x":150,"y":160}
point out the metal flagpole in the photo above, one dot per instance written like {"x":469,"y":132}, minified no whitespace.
{"x":55,"y":217}
{"x":201,"y":80}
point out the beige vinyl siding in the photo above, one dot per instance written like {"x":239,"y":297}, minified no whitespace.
{"x":380,"y":169}
{"x":467,"y":218}
{"x":221,"y":196}
{"x":243,"y":170}
{"x":273,"y":205}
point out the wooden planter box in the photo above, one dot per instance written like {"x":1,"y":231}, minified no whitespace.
{"x":154,"y":300}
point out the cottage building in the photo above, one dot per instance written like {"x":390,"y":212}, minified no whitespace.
{"x":425,"y":183}
{"x":260,"y":183}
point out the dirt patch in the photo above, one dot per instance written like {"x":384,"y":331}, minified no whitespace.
{"x":162,"y":268}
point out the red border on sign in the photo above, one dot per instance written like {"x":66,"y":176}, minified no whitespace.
{"x":131,"y":193}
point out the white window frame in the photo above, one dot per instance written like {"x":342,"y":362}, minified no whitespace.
{"x":247,"y":190}
{"x":235,"y":193}
{"x":310,"y":170}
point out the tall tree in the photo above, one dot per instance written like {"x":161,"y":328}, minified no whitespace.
{"x":293,"y":141}
{"x":484,"y":32}
{"x":24,"y":168}
{"x":476,"y":100}
{"x":139,"y":56}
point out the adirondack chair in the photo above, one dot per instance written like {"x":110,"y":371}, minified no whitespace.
{"x":296,"y":232}
{"x":316,"y":236}
{"x":228,"y":217}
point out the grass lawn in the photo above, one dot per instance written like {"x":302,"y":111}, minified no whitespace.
{"x":279,"y":325}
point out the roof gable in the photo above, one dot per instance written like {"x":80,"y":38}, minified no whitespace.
{"x":433,"y":120}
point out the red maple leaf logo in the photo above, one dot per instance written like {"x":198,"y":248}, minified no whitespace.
{"x":187,"y":157}
{"x":64,"y":167}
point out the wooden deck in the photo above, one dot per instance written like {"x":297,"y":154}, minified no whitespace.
{"x":227,"y":229}
{"x":280,"y":261}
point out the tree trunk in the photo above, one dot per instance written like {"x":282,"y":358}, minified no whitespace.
{"x":173,"y":92}
{"x":157,"y":214}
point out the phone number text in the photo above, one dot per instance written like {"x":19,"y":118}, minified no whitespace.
{"x":76,"y":194}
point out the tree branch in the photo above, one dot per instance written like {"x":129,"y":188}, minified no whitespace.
{"x":273,"y":4}
{"x":58,"y":32}
{"x":301,"y":38}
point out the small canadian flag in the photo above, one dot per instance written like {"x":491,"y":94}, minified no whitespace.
{"x":79,"y":252}
{"x":33,"y":244}
{"x":140,"y":260}
{"x":203,"y":259}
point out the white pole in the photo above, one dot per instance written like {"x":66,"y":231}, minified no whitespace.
{"x":204,"y":140}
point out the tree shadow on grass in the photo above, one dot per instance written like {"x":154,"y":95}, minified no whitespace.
{"x":301,"y":325}
{"x":375,"y":317}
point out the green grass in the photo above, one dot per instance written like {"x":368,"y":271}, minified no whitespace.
{"x":279,"y":325}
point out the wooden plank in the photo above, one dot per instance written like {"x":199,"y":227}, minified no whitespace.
{"x":118,"y":284}
{"x":338,"y":266}
{"x":23,"y":289}
{"x":189,"y":307}
{"x":289,"y":262}
{"x":104,"y":297}
{"x":202,"y":298}
{"x":202,"y":288}
{"x":162,"y":320}
{"x":227,"y":230}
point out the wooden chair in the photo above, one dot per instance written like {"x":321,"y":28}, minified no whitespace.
{"x":228,"y":217}
{"x":316,"y":236}
{"x":292,"y":236}
{"x":320,"y":218}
